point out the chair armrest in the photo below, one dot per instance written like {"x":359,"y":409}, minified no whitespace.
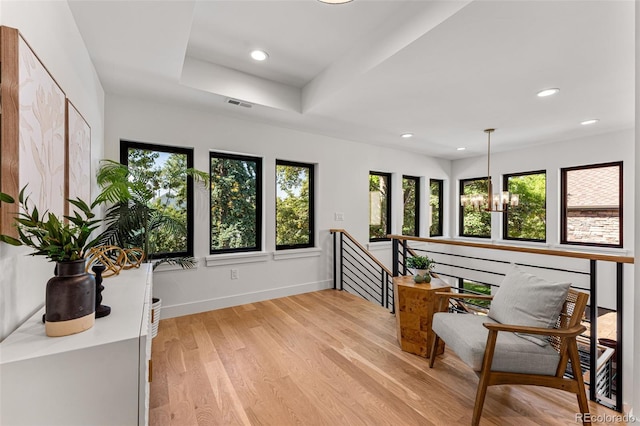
{"x":560,"y":332}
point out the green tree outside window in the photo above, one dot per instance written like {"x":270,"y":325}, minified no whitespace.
{"x":410,"y":198}
{"x":235,"y":203}
{"x":527,"y":220}
{"x":165,"y":174}
{"x":294,"y":205}
{"x":379,"y":206}
{"x":474,"y":222}
{"x":435,"y":204}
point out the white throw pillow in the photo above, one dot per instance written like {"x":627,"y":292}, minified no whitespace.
{"x":524,"y":299}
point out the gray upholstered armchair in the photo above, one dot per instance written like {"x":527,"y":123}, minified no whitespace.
{"x":528,"y":336}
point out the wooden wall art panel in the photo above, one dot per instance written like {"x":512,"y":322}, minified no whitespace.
{"x":78,"y":159}
{"x":9,"y":141}
{"x":33,"y":130}
{"x":42,"y":133}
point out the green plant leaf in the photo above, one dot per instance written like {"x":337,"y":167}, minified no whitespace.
{"x":6,"y":198}
{"x":10,"y":240}
{"x":21,"y":198}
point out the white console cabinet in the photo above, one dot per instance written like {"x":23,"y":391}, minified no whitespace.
{"x":97,"y":377}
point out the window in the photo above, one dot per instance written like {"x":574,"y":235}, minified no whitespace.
{"x":411,"y":202}
{"x":236,"y":203}
{"x":294,"y":205}
{"x":435,"y":206}
{"x":528,"y":220}
{"x":591,"y":206}
{"x":379,"y":206}
{"x":474,"y":222}
{"x":164,"y":170}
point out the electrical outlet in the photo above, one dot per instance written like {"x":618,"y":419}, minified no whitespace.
{"x":339,"y":217}
{"x":234,"y":274}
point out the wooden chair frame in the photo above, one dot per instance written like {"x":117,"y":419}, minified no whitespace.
{"x":563,"y":339}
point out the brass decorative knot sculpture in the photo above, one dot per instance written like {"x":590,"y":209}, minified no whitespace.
{"x":115,"y":259}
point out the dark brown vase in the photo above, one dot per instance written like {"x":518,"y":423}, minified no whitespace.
{"x":70,"y":300}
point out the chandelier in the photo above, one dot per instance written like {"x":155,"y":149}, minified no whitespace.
{"x":490,"y":202}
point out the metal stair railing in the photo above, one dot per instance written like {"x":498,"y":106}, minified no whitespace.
{"x":359,"y":272}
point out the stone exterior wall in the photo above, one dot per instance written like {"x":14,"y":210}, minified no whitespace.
{"x":593,"y":226}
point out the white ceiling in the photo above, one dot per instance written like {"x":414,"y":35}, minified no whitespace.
{"x":370,"y":70}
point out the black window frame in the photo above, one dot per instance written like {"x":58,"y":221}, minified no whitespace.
{"x":259,"y":195}
{"x":440,"y":226}
{"x":125,"y":145}
{"x":505,"y":215}
{"x":416,"y":218}
{"x":312,"y":228}
{"x":388,"y":209}
{"x":563,"y":203}
{"x":461,"y":210}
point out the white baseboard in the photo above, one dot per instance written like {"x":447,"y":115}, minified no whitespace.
{"x":241,"y":299}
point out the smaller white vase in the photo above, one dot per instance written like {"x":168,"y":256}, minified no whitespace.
{"x":155,"y":316}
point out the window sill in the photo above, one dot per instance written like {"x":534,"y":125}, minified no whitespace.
{"x":518,"y":243}
{"x":487,"y":240}
{"x":592,"y":249}
{"x":501,"y":242}
{"x":297,"y":253}
{"x":559,"y":247}
{"x":235,"y":258}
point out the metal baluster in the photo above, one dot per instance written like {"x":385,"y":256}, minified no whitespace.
{"x":341,"y":258}
{"x":383,"y":288}
{"x":335,"y":257}
{"x":394,"y":255}
{"x":404,"y":257}
{"x":593,"y":349}
{"x":619,"y":303}
{"x":393,"y":297}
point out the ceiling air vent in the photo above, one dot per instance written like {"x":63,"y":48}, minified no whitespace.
{"x":237,"y":102}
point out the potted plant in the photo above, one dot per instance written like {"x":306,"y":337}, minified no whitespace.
{"x":70,"y":294}
{"x":423,"y":266}
{"x":134,"y":217}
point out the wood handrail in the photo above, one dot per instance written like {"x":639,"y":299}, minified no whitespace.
{"x":547,"y":252}
{"x":361,"y":247}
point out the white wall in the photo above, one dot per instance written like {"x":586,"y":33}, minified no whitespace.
{"x":342,"y":186}
{"x":51,"y":31}
{"x":636,"y":342}
{"x":618,"y":146}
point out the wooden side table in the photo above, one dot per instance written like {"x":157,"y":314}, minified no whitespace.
{"x":415,"y":305}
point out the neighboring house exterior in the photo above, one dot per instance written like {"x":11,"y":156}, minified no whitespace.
{"x":593,"y":205}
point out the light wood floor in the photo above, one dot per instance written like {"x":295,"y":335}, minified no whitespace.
{"x":324,"y":358}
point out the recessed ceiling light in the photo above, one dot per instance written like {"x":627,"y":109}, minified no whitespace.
{"x":462,"y":148}
{"x":591,"y":121}
{"x":406,"y":135}
{"x":259,"y":55}
{"x":334,"y":1}
{"x":547,"y":92}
